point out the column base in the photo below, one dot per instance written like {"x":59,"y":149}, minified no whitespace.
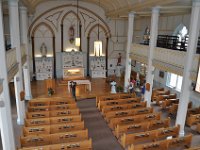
{"x":20,"y":122}
{"x":28,"y":97}
{"x":181,"y":133}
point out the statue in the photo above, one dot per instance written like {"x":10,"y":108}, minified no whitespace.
{"x":119,"y":60}
{"x":146,"y":36}
{"x":71,"y":33}
{"x":113,"y":88}
{"x":43,"y":50}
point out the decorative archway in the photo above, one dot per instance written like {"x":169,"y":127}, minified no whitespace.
{"x":47,"y":33}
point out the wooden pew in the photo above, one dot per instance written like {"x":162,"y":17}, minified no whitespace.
{"x":193,"y":111}
{"x":37,"y":122}
{"x":159,"y":145}
{"x":193,"y":148}
{"x":198,"y":127}
{"x":141,"y":127}
{"x":53,"y":120}
{"x":148,"y":136}
{"x":155,"y":90}
{"x":114,"y":96}
{"x":161,"y":98}
{"x":133,"y":119}
{"x":128,"y":112}
{"x":51,"y":108}
{"x":68,"y":112}
{"x":192,"y":120}
{"x":171,"y":144}
{"x":101,"y":104}
{"x":73,"y":126}
{"x":173,"y":109}
{"x":158,"y":93}
{"x":78,"y":145}
{"x":46,"y":114}
{"x":168,"y":102}
{"x":106,"y":109}
{"x":181,"y":142}
{"x":55,"y":128}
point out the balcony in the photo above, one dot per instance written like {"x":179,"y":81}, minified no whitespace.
{"x":173,"y":43}
{"x":164,"y":59}
{"x":12,"y":65}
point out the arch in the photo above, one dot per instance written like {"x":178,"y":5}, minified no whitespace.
{"x":77,"y":16}
{"x":45,"y":24}
{"x":69,"y":5}
{"x":101,"y":26}
{"x":53,"y":44}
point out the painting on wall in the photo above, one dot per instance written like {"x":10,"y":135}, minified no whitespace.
{"x":71,"y":34}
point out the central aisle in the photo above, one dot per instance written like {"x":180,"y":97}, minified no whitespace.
{"x":102,"y":137}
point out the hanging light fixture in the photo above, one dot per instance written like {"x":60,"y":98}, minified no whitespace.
{"x":77,"y":39}
{"x":98,"y":44}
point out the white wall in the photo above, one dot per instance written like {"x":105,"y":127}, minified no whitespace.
{"x":56,"y":11}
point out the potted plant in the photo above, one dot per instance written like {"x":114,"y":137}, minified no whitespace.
{"x":119,"y":89}
{"x":50,"y":91}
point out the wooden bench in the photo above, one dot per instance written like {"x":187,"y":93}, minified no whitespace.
{"x":106,"y":109}
{"x":158,"y":93}
{"x":114,"y":96}
{"x":161,"y":98}
{"x":148,"y":136}
{"x":117,"y":102}
{"x":141,"y":127}
{"x":51,"y":108}
{"x":193,"y":111}
{"x":180,"y":142}
{"x":133,"y":119}
{"x":155,"y":90}
{"x":173,"y":109}
{"x":128,"y":112}
{"x":54,"y":120}
{"x":78,"y":145}
{"x":47,"y":114}
{"x":168,"y":102}
{"x":198,"y":127}
{"x":49,"y":129}
{"x":193,"y":120}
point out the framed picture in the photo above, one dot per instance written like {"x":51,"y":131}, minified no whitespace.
{"x":161,"y":74}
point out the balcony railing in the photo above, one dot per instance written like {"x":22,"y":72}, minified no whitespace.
{"x":173,"y":42}
{"x":11,"y":58}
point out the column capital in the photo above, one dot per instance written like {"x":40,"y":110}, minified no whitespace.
{"x":156,"y":9}
{"x":23,"y":9}
{"x":131,"y":14}
{"x":196,"y":3}
{"x":13,"y":3}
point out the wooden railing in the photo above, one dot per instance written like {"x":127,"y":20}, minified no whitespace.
{"x":11,"y":58}
{"x":172,"y":42}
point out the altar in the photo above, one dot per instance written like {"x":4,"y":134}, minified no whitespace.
{"x":72,"y":65}
{"x":81,"y":82}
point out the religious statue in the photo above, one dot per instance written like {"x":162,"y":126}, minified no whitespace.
{"x":146,"y":36}
{"x":113,"y":87}
{"x":43,"y":50}
{"x":119,"y":60}
{"x":71,"y":33}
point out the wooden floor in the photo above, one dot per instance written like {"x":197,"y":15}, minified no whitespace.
{"x":99,"y":87}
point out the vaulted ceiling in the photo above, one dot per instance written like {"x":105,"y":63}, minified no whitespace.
{"x":116,"y":8}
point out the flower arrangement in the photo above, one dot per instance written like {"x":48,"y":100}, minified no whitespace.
{"x":50,"y":91}
{"x":119,"y":89}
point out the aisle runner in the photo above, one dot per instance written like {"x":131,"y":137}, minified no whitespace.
{"x":102,"y":137}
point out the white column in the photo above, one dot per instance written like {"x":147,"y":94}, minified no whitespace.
{"x":129,"y":43}
{"x":15,"y":42}
{"x":186,"y":83}
{"x":24,"y":40}
{"x":152,"y":45}
{"x":20,"y":104}
{"x":7,"y":134}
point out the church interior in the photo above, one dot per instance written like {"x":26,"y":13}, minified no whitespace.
{"x":99,"y":75}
